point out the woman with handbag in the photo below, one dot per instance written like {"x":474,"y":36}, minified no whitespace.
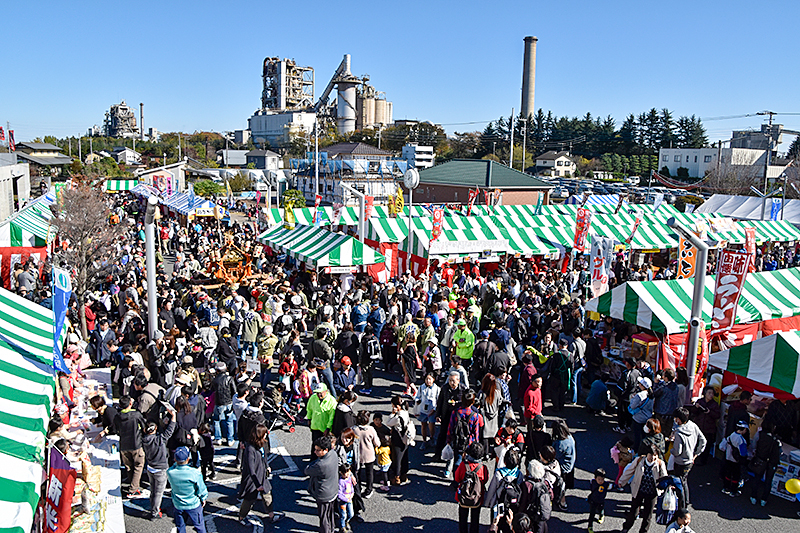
{"x":410,"y":361}
{"x":643,"y":474}
{"x":765,"y":461}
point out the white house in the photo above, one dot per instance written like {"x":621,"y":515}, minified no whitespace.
{"x":555,"y":164}
{"x":418,"y":156}
{"x":126,"y":156}
{"x":699,"y":161}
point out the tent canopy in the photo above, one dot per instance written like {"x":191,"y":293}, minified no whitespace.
{"x":665,"y":306}
{"x":27,"y":385}
{"x":120,"y":185}
{"x":772,"y":361}
{"x":145,"y":190}
{"x":748,"y":207}
{"x":320,"y":247}
{"x":31,"y":226}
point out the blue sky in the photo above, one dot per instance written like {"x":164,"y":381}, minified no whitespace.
{"x":197,"y":65}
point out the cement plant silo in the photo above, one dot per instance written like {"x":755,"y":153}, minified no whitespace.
{"x":346,"y":85}
{"x":529,"y":76}
{"x":380,"y":112}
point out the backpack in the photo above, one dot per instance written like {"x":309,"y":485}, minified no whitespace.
{"x":469,"y":492}
{"x":509,"y":493}
{"x":739,"y":452}
{"x":540,"y":505}
{"x":461,"y":434}
{"x":373,"y":348}
{"x":410,"y":431}
{"x":556,"y":487}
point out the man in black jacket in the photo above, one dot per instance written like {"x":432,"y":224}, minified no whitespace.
{"x":324,"y":483}
{"x":225,"y":389}
{"x":154,"y":443}
{"x":130,"y":424}
{"x":251,"y":417}
{"x":449,"y":398}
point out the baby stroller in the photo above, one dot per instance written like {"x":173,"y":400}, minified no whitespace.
{"x":278,"y":415}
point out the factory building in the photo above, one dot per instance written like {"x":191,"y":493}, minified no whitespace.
{"x":120,"y":121}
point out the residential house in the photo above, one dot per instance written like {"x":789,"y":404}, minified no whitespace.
{"x":126,"y":156}
{"x":44,"y":158}
{"x":232,"y":158}
{"x":264,"y":159}
{"x":554,"y":163}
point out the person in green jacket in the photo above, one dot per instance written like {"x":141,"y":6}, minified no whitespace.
{"x":189,"y":492}
{"x":464,"y":341}
{"x":320,"y":409}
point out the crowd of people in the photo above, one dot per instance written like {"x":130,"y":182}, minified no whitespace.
{"x":479,"y":352}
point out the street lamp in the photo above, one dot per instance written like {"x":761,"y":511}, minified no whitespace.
{"x":698,"y":296}
{"x":150,"y":252}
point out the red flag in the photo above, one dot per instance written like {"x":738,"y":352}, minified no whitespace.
{"x":472,"y":196}
{"x":750,"y":246}
{"x":368,"y":205}
{"x":2,"y":134}
{"x":258,"y":197}
{"x":636,"y":225}
{"x":486,"y":197}
{"x":438,"y":217}
{"x":731,"y":272}
{"x":582,"y":224}
{"x":60,"y":489}
{"x":11,"y":144}
{"x":317,"y":213}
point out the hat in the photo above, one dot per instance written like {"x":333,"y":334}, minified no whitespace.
{"x":742,"y":424}
{"x":484,"y":334}
{"x":432,"y":340}
{"x":318,"y":362}
{"x":183,"y":379}
{"x":461,"y":322}
{"x":72,"y":338}
{"x":182,"y":454}
{"x":158,"y":335}
{"x":188,"y":359}
{"x":221,"y":367}
{"x":321,"y":387}
{"x":197,"y":348}
{"x":645,"y":382}
{"x":346,"y":361}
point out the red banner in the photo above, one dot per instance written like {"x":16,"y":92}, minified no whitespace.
{"x":12,"y":146}
{"x":258,"y":197}
{"x":368,"y":203}
{"x":317,"y":213}
{"x":731,"y":272}
{"x":775,"y":325}
{"x":582,"y":223}
{"x":2,"y":134}
{"x":60,"y":489}
{"x":438,"y":218}
{"x":636,"y":224}
{"x":472,"y":196}
{"x":750,"y":246}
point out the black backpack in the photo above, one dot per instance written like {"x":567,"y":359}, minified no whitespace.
{"x":539,"y":504}
{"x":470,"y":490}
{"x":509,"y":493}
{"x":461,"y":434}
{"x":373,"y":348}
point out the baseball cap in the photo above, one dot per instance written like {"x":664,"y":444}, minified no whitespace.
{"x":432,"y":340}
{"x":188,"y":359}
{"x":461,"y":322}
{"x":321,"y":387}
{"x":182,"y":454}
{"x":346,"y":361}
{"x":645,"y":382}
{"x":742,"y":424}
{"x":221,"y":367}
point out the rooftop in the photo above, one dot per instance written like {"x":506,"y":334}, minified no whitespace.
{"x":479,"y":173}
{"x":552,"y":155}
{"x":261,"y":153}
{"x":45,"y":159}
{"x":358,"y":148}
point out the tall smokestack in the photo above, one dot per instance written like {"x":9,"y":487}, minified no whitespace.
{"x":529,"y":76}
{"x":141,"y":121}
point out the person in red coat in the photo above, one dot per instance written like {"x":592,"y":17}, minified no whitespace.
{"x":469,"y":517}
{"x":532,"y":401}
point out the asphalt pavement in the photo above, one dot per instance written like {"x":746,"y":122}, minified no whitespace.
{"x":428,"y":504}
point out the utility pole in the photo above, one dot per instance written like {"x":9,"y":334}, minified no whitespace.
{"x":70,"y":146}
{"x":524,"y":141}
{"x":91,"y":145}
{"x":511,"y":128}
{"x":179,"y":147}
{"x":316,"y":158}
{"x":769,"y":147}
{"x":80,"y":154}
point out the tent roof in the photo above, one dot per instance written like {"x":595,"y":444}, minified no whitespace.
{"x":27,"y":385}
{"x":772,"y":361}
{"x":120,"y":185}
{"x":320,"y":247}
{"x":31,"y":226}
{"x":665,"y":305}
{"x":747,"y":207}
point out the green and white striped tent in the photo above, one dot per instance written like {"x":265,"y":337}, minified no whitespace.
{"x":27,"y":385}
{"x":665,"y":305}
{"x":320,"y":247}
{"x":119,"y":185}
{"x":31,"y":226}
{"x":772,"y":361}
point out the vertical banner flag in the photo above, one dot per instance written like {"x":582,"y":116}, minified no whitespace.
{"x":258,"y":197}
{"x":60,"y":490}
{"x":390,"y":205}
{"x":585,"y":198}
{"x":438,"y":218}
{"x":619,"y":203}
{"x":702,"y":360}
{"x":687,"y":259}
{"x":659,"y":199}
{"x":471,"y":201}
{"x":750,"y":246}
{"x":601,"y":247}
{"x":2,"y":134}
{"x":498,"y":196}
{"x":776,"y":209}
{"x":486,"y":197}
{"x":12,"y":146}
{"x":688,"y":209}
{"x":191,"y":197}
{"x":636,"y":225}
{"x":539,"y":203}
{"x":317,"y":210}
{"x":582,"y":223}
{"x":230,"y":193}
{"x":731,"y":272}
{"x":62,"y":291}
{"x":337,"y":213}
{"x":399,"y":203}
{"x":288,"y":217}
{"x":369,"y":202}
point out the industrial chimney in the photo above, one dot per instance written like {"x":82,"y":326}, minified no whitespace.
{"x":141,"y":121}
{"x":529,"y":76}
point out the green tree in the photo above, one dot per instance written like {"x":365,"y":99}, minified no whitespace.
{"x":207,"y":188}
{"x":241,"y":182}
{"x":293,"y":198}
{"x":616,"y":163}
{"x":683,"y":173}
{"x":607,"y":162}
{"x":664,"y":171}
{"x":634,"y":165}
{"x":794,"y":149}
